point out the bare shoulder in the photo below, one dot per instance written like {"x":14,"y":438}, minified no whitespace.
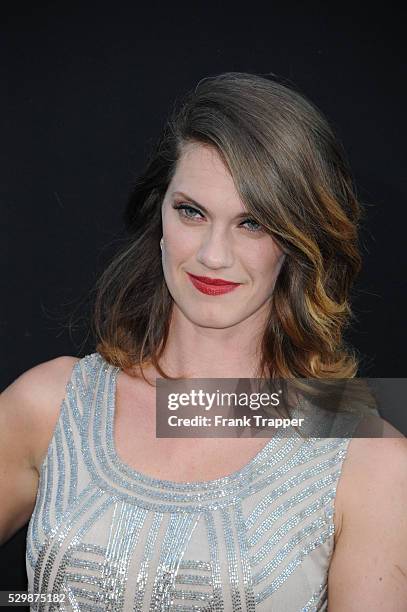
{"x":372,"y":463}
{"x":29,"y":408}
{"x":369,"y":562}
{"x":31,"y":404}
{"x":367,"y":464}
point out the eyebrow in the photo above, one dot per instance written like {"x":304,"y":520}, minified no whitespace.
{"x":242,"y":215}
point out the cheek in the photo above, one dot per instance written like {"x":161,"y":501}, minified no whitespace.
{"x":177,"y":235}
{"x":179,"y":251}
{"x":179,"y":247}
{"x":265,"y":263}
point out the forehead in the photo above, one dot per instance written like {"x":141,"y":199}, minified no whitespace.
{"x":202,"y":173}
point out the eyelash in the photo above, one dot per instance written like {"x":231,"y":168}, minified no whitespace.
{"x":183,"y":207}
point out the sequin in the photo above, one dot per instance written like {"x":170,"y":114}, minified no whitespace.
{"x":111,"y":538}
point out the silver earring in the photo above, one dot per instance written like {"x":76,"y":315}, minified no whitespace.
{"x":161,"y":243}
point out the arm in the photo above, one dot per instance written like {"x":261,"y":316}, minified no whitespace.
{"x":29,"y":409}
{"x":368,"y":570}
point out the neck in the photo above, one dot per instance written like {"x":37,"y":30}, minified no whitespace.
{"x":202,"y":352}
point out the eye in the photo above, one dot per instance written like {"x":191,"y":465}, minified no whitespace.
{"x":190,"y":213}
{"x":185,"y":211}
{"x":257,"y":227}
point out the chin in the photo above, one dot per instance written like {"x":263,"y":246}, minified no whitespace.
{"x":214,"y":320}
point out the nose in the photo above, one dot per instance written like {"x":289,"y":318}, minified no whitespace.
{"x":216,"y":250}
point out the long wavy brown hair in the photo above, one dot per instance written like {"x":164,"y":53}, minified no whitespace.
{"x":292,"y":175}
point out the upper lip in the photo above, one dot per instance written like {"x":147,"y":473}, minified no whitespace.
{"x":213,"y":281}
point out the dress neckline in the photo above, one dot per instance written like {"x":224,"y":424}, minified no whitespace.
{"x":124,"y":479}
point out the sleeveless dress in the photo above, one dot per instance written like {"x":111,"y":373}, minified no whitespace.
{"x":108,"y":537}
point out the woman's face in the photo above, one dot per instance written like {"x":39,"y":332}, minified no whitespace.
{"x":212,"y":236}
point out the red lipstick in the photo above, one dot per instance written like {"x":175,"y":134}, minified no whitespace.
{"x":212,"y":286}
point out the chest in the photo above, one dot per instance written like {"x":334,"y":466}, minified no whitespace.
{"x":176,"y":459}
{"x":182,"y":459}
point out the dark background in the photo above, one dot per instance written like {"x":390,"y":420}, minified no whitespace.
{"x":87,"y":91}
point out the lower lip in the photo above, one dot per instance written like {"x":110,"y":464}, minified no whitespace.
{"x":211,"y":289}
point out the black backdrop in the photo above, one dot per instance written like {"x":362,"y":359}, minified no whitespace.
{"x":87,"y":91}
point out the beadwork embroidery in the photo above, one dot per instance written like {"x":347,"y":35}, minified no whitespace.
{"x":112,"y":538}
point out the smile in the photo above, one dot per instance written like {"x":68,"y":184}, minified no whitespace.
{"x":212,"y":286}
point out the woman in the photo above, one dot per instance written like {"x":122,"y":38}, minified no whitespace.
{"x":249,"y":188}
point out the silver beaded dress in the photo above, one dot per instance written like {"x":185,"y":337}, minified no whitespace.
{"x":108,"y":537}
